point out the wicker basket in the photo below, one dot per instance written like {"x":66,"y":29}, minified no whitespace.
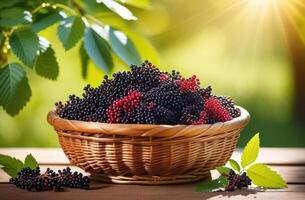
{"x":148,"y":154}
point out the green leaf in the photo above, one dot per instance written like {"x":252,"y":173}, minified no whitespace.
{"x":123,"y":47}
{"x":97,"y":49}
{"x":7,"y":3}
{"x":19,"y":99}
{"x":137,"y":3}
{"x":92,"y":7}
{"x":223,"y":170}
{"x":10,"y":165}
{"x":234,"y":165}
{"x":24,"y":44}
{"x":46,"y":63}
{"x":209,"y":186}
{"x":45,"y":20}
{"x":146,"y":49}
{"x":12,"y":16}
{"x":11,"y":76}
{"x":251,"y":151}
{"x":70,"y":31}
{"x":30,"y":162}
{"x":119,"y":9}
{"x":84,"y":60}
{"x":261,"y":175}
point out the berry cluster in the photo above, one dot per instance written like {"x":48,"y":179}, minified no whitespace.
{"x":32,"y":180}
{"x":190,"y":84}
{"x":145,"y":95}
{"x":216,"y":111}
{"x":237,"y":181}
{"x":121,"y":110}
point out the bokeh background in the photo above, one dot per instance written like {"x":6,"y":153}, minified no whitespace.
{"x":251,"y":50}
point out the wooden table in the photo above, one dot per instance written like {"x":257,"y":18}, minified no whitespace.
{"x":290,"y":162}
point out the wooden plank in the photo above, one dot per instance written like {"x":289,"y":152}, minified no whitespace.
{"x":55,"y":158}
{"x":292,"y":174}
{"x":289,"y":162}
{"x":278,"y":156}
{"x":272,"y":156}
{"x":46,"y":156}
{"x":134,"y":192}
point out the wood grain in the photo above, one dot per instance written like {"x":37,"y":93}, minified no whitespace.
{"x":292,"y":174}
{"x":290,"y":164}
{"x":271,"y":156}
{"x":138,"y":192}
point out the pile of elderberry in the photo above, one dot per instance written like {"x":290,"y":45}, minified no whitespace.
{"x":237,"y":181}
{"x":33,"y":180}
{"x":145,"y":95}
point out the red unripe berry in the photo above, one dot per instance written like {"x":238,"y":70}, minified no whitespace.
{"x":201,"y":120}
{"x":124,"y":105}
{"x":190,"y":84}
{"x":163,"y":77}
{"x":215,"y":110}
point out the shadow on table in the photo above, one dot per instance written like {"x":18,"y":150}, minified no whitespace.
{"x":95,"y":185}
{"x":221,"y":194}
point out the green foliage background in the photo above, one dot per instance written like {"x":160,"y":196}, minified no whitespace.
{"x":188,"y":41}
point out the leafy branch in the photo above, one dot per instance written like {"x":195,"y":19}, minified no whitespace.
{"x":12,"y":166}
{"x":260,"y":174}
{"x":21,"y":22}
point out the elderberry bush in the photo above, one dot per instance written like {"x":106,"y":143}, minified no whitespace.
{"x":146,"y":95}
{"x":35,"y":181}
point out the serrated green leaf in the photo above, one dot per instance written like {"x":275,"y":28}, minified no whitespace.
{"x":19,"y":99}
{"x":84,"y":60}
{"x":251,"y":151}
{"x":210,"y":186}
{"x":7,"y":3}
{"x":12,"y":16}
{"x":24,"y":44}
{"x":97,"y":49}
{"x":112,"y":20}
{"x":123,"y":47}
{"x":261,"y":175}
{"x":10,"y":165}
{"x":137,"y":3}
{"x":223,"y":170}
{"x":234,"y":164}
{"x":70,"y":31}
{"x":46,"y":64}
{"x":10,"y":171}
{"x":119,"y":9}
{"x":11,"y":76}
{"x":45,"y":20}
{"x":30,"y":162}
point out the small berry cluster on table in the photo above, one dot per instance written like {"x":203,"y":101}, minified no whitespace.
{"x":35,"y":181}
{"x":146,"y":95}
{"x":237,"y":181}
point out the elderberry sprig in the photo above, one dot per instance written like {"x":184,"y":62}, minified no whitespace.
{"x":28,"y":176}
{"x":242,"y":175}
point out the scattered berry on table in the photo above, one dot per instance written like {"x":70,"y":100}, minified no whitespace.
{"x":35,"y":181}
{"x":146,"y":95}
{"x":237,"y":181}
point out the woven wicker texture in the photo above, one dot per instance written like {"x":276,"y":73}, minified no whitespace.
{"x":148,"y":154}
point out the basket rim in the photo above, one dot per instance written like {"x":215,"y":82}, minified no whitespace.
{"x":158,"y":130}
